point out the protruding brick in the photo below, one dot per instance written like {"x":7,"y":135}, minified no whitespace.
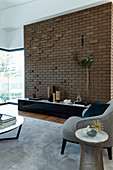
{"x":58,"y":19}
{"x":94,"y":41}
{"x":54,"y":68}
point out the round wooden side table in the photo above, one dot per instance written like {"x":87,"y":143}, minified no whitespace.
{"x":91,"y":150}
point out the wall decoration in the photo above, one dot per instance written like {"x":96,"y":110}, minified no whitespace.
{"x":82,"y":39}
{"x":84,"y":63}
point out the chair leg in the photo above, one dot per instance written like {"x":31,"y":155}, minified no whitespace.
{"x":63,"y":146}
{"x":109,"y":153}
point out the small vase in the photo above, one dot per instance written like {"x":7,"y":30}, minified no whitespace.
{"x":92,"y":133}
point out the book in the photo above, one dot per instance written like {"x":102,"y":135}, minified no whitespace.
{"x":7,"y":124}
{"x":6,"y":118}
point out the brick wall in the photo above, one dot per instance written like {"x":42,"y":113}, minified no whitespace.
{"x":49,"y":46}
{"x":112,"y":52}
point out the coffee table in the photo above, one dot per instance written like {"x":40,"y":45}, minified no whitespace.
{"x":18,"y":124}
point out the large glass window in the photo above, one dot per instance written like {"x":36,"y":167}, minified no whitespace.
{"x":11,"y":75}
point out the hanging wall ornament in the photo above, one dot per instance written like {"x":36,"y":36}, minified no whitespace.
{"x":82,"y":39}
{"x":85,"y":63}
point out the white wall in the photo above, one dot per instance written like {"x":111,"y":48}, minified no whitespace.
{"x":15,"y":38}
{"x":3,"y":35}
{"x":16,"y":17}
{"x":3,"y":39}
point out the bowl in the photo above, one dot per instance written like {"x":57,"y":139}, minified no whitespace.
{"x":92,"y":133}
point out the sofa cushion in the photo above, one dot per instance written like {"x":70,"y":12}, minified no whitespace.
{"x":97,"y":108}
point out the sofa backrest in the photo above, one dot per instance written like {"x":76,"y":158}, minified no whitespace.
{"x":109,"y":109}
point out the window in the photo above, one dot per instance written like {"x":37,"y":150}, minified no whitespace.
{"x":11,"y":75}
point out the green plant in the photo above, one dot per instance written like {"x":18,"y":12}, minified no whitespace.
{"x":84,"y":63}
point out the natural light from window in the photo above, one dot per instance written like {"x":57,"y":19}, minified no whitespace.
{"x":11,"y":76}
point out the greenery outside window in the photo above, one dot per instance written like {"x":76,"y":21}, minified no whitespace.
{"x":11,"y":75}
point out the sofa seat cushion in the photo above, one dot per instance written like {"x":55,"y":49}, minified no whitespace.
{"x":69,"y":128}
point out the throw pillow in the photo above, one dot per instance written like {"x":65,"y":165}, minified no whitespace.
{"x":97,"y":108}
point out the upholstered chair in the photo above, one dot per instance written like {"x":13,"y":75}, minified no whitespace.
{"x":73,"y":123}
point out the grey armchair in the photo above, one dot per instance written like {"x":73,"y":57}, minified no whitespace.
{"x":73,"y":123}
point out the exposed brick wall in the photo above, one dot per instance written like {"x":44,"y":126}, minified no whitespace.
{"x":112,"y":52}
{"x":48,"y":49}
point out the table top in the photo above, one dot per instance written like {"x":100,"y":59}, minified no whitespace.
{"x":57,"y":103}
{"x":100,"y":137}
{"x":19,"y":121}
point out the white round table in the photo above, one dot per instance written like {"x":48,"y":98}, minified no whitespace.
{"x":17,"y":124}
{"x":91,"y":150}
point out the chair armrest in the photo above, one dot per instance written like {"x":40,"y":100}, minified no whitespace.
{"x":84,"y":122}
{"x":84,"y":111}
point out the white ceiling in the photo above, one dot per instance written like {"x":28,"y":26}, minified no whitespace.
{"x":4,"y":4}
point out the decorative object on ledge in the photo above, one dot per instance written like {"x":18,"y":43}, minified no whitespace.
{"x":58,"y":96}
{"x":81,"y":103}
{"x":78,"y":99}
{"x":34,"y":95}
{"x":51,"y":98}
{"x":36,"y":98}
{"x":54,"y":96}
{"x":97,"y":125}
{"x":92,"y":133}
{"x":84,"y":63}
{"x":49,"y":92}
{"x":53,"y":89}
{"x":50,"y":95}
{"x":94,"y":129}
{"x":67,"y":101}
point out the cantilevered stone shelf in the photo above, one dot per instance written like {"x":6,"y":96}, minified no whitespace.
{"x":50,"y":108}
